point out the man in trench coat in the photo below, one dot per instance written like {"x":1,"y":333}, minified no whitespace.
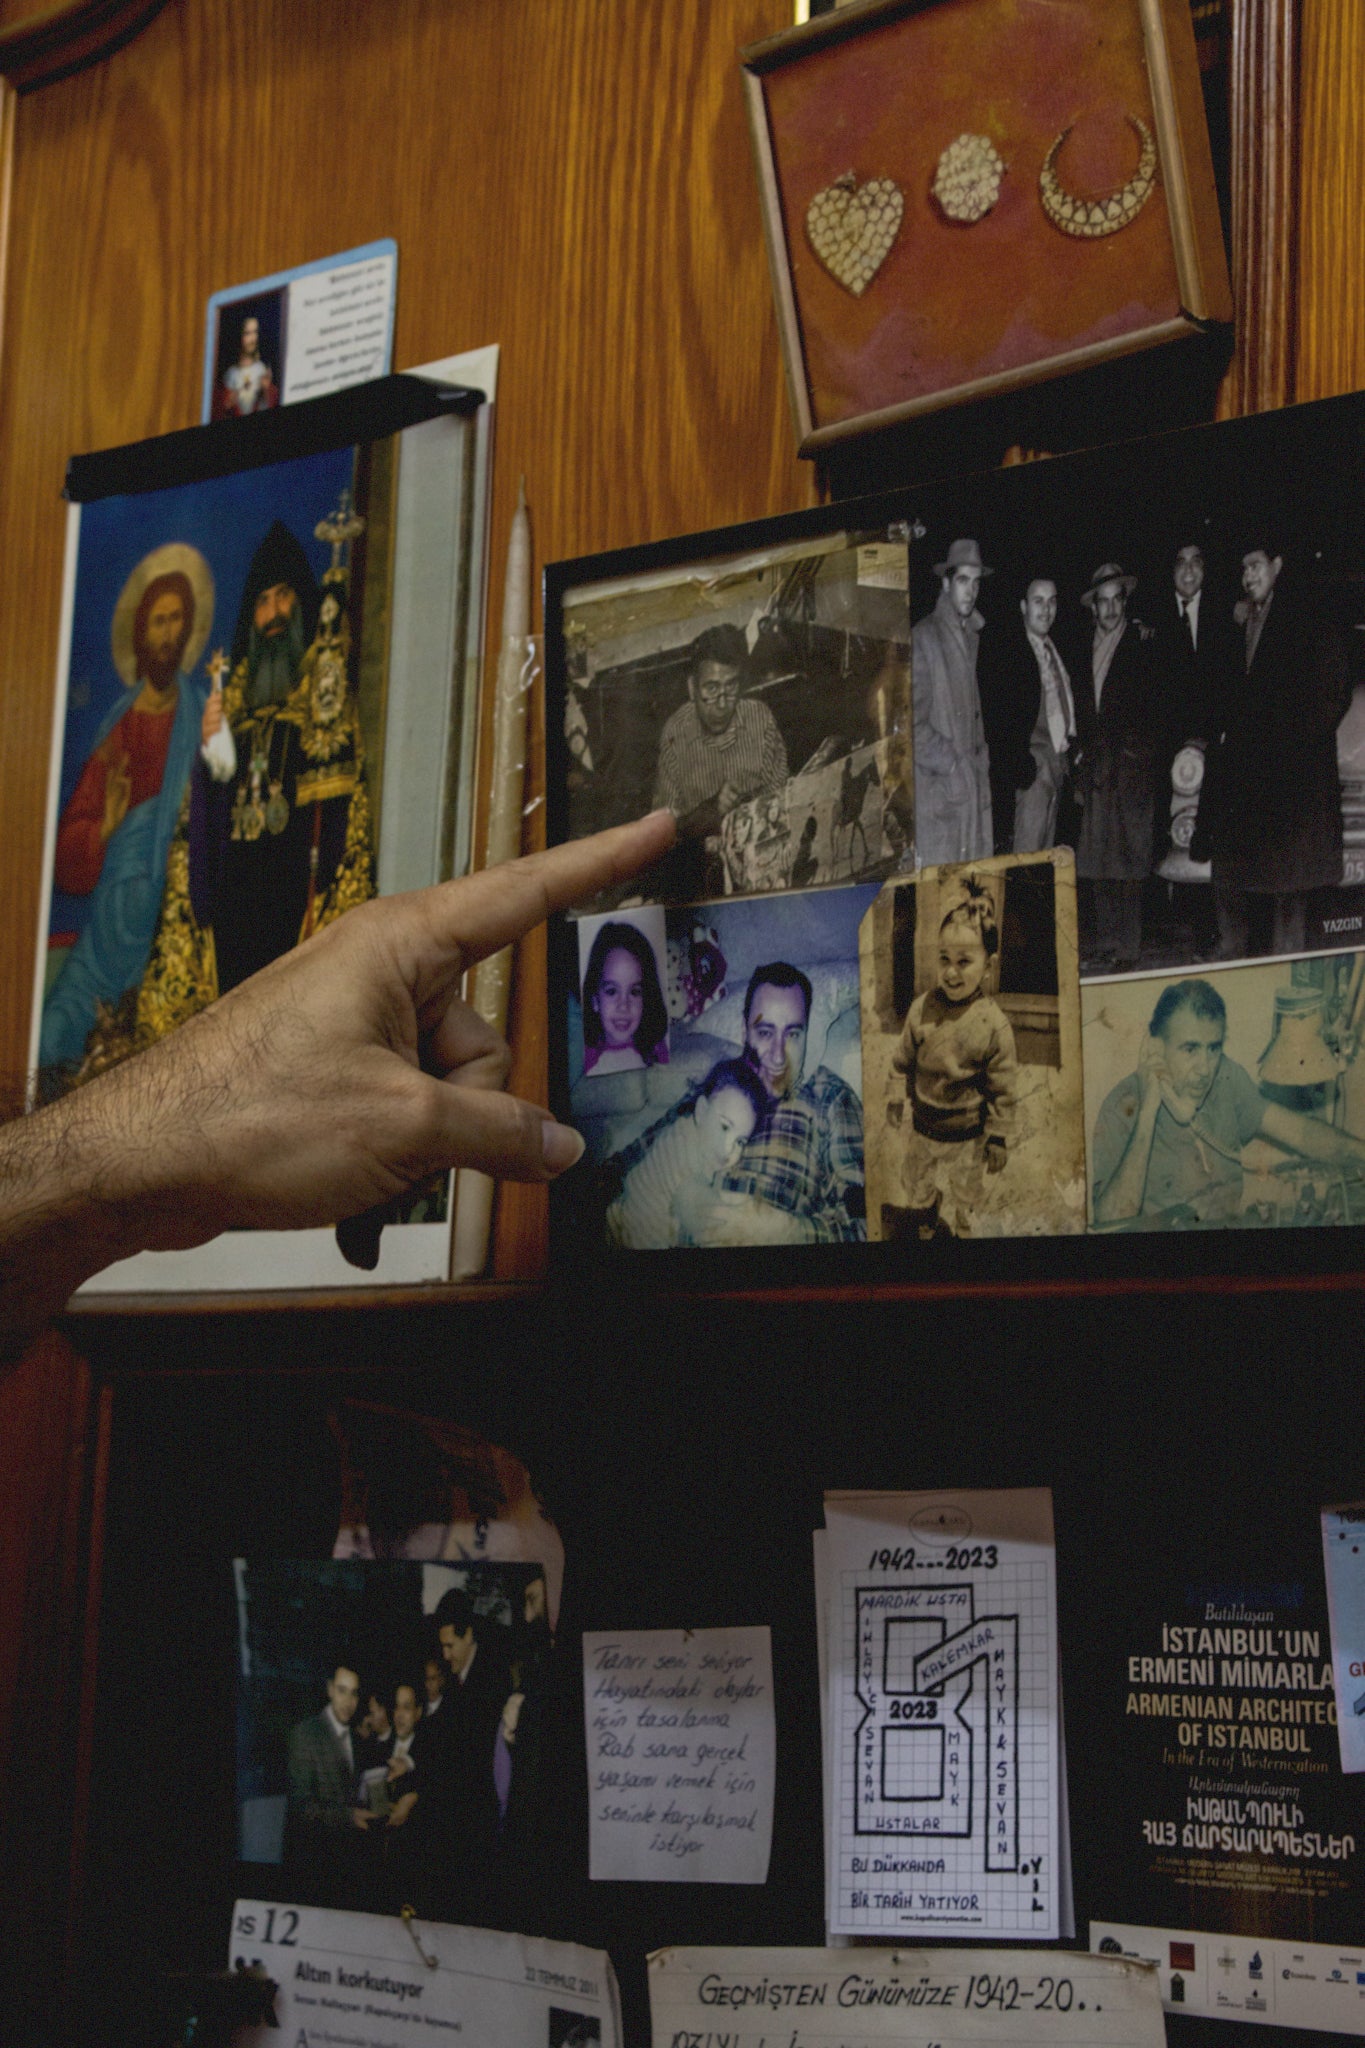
{"x":952,"y":766}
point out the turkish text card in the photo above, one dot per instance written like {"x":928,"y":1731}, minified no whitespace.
{"x":832,"y":1998}
{"x":377,"y":1982}
{"x":681,"y":1754}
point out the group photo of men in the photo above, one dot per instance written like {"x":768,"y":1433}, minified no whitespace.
{"x":391,"y":1730}
{"x":1161,"y":676}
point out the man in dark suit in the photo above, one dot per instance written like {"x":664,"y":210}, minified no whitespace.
{"x":1030,"y":718}
{"x":1118,"y":718}
{"x":1198,"y":647}
{"x":457,"y":1801}
{"x":325,"y":1820}
{"x":1270,"y":815}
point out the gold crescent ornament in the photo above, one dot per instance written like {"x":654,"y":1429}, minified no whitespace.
{"x":1091,"y":218}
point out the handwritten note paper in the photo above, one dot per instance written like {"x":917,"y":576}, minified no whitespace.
{"x":681,"y":1754}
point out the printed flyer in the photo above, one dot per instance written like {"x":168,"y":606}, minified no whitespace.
{"x":1208,"y":1730}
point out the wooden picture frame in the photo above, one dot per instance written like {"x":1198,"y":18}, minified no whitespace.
{"x":940,"y":307}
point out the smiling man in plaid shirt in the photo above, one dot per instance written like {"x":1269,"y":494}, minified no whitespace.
{"x":799,"y":1179}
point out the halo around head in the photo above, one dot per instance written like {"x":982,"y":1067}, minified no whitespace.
{"x":176,"y":554}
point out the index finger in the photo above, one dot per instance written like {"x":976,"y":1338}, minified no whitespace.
{"x":480,"y":914}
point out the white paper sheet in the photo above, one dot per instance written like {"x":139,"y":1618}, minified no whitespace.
{"x":681,"y":1754}
{"x":943,"y":1714}
{"x":847,"y":1998}
{"x":364,"y":1980}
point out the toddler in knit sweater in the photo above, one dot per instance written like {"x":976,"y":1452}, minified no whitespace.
{"x":957,"y":1054}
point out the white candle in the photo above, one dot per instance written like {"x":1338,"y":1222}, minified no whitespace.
{"x":492,"y":978}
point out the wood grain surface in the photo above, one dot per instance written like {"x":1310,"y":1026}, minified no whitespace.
{"x":1263,"y":87}
{"x":572,"y":181}
{"x":1331,"y":252}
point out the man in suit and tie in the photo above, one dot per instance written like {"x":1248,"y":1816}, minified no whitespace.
{"x":1196,"y":653}
{"x":325,"y":1818}
{"x":1197,"y":649}
{"x":1118,"y":716}
{"x":1030,"y":717}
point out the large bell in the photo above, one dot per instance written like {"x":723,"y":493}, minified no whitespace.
{"x":1298,"y":1056}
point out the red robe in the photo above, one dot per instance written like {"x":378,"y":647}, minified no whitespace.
{"x":140,"y":737}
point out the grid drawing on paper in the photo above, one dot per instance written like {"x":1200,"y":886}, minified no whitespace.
{"x":946,"y":1786}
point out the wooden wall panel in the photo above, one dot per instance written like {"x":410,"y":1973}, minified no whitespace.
{"x":1331,"y":268}
{"x":571,"y":180}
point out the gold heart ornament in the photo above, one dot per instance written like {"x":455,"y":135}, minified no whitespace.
{"x":852,"y":227}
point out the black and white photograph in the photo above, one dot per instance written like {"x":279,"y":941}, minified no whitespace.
{"x":972,"y":1053}
{"x":390,"y":1730}
{"x":764,"y":699}
{"x":752,"y":1134}
{"x":1232,"y":1099}
{"x":1155,"y":656}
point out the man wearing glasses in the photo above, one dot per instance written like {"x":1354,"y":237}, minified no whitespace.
{"x":720,"y":747}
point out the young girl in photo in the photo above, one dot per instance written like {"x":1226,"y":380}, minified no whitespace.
{"x":625,"y":1020}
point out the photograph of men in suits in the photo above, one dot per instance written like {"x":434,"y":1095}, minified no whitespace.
{"x":1270,"y":814}
{"x":1118,"y":726}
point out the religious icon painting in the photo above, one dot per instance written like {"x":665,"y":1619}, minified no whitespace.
{"x":1227,"y":1098}
{"x":972,"y":1053}
{"x":763,"y":696}
{"x":252,"y":737}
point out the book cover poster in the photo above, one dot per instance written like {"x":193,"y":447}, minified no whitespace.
{"x":1206,"y":1736}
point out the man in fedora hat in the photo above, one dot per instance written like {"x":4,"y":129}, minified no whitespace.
{"x":1118,"y":724}
{"x":952,"y":766}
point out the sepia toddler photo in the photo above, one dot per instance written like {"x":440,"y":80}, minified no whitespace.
{"x":971,"y":1053}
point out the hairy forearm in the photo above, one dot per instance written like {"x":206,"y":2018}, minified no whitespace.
{"x":59,"y":1221}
